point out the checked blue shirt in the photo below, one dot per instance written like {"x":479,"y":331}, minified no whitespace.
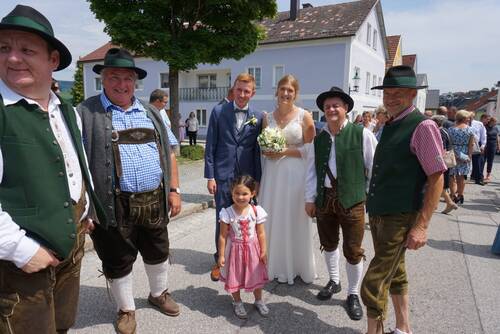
{"x":140,"y":162}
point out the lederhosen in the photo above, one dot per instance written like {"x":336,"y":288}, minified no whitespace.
{"x":45,"y":301}
{"x":141,"y":217}
{"x":332,"y":216}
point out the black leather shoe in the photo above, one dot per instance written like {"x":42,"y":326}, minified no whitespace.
{"x":330,"y":288}
{"x":354,"y":309}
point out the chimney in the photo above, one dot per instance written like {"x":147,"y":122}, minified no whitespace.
{"x":294,"y":9}
{"x":306,"y":5}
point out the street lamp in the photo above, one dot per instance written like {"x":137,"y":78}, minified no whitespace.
{"x":355,"y":80}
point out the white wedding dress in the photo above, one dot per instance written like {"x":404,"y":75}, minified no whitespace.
{"x":289,"y":231}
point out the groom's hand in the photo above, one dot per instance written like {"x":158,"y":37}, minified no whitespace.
{"x":212,"y":187}
{"x":311,"y":209}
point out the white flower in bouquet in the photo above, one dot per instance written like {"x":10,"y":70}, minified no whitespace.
{"x":271,"y":140}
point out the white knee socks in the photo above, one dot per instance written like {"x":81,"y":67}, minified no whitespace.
{"x":354,"y":274}
{"x":121,"y":289}
{"x":157,"y":276}
{"x":332,"y":264}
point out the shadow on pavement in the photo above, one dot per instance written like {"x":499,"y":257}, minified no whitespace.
{"x":196,"y":198}
{"x":95,"y":307}
{"x":483,"y":251}
{"x":194,"y":262}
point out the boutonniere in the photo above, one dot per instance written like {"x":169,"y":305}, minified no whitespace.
{"x":252,"y":121}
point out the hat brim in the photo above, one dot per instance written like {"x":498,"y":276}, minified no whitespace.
{"x":320,"y":100}
{"x":141,"y":74}
{"x":398,"y":86}
{"x":64,"y":54}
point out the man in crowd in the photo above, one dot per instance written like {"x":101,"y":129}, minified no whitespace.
{"x":46,"y":186}
{"x":479,"y":131}
{"x":336,"y":182}
{"x":136,"y":179}
{"x":159,"y":100}
{"x":404,"y":190}
{"x":231,"y":148}
{"x":452,"y":111}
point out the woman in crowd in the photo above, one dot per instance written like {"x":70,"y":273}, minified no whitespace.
{"x":382,"y":117}
{"x":192,"y":128}
{"x":492,"y":145}
{"x":367,"y":121}
{"x":462,"y":138}
{"x":289,"y":230}
{"x":447,"y":145}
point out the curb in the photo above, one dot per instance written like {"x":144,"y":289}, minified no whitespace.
{"x":187,"y":209}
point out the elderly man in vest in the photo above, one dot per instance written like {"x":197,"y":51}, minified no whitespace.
{"x":45,"y":187}
{"x":136,"y":179}
{"x":404,"y":189}
{"x":337,"y":172}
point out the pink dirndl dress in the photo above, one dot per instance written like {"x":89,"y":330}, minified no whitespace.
{"x":243,"y":268}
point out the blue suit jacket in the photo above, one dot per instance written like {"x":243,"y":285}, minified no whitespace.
{"x":230,"y":153}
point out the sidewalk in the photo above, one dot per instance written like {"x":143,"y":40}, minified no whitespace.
{"x":454,"y":280}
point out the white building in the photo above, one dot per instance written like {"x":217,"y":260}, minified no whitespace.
{"x":340,"y":45}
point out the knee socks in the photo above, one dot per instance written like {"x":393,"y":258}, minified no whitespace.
{"x":121,"y":289}
{"x":332,"y":264}
{"x":354,"y":275}
{"x":157,"y":276}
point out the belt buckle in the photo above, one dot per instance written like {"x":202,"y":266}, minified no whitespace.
{"x":115,"y":135}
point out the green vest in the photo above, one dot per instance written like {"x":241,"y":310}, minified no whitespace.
{"x":398,"y":180}
{"x":351,"y":179}
{"x":34,"y":189}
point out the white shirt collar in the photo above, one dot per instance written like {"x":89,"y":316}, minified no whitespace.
{"x":327,"y":129}
{"x":236,"y":106}
{"x":10,"y":97}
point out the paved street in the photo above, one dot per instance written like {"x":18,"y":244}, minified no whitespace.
{"x":454,"y":281}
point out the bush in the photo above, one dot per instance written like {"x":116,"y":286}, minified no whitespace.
{"x":195,"y":152}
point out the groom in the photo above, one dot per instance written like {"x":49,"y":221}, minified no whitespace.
{"x":231,"y":148}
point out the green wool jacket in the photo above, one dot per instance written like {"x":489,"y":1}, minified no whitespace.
{"x":351,"y":179}
{"x":398,"y":180}
{"x":34,"y":189}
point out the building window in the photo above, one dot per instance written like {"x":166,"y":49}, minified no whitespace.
{"x":256,"y":72}
{"x":375,"y":39}
{"x":379,"y":91}
{"x":164,"y":80}
{"x":368,"y":34}
{"x":316,"y":115}
{"x":139,"y":84}
{"x":98,"y":84}
{"x":278,"y":73}
{"x":228,"y":79}
{"x":374,"y":92}
{"x":368,"y":79}
{"x":207,"y":81}
{"x":201,"y":115}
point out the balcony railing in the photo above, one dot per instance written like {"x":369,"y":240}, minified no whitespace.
{"x":202,"y":94}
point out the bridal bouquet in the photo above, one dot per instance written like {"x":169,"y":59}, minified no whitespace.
{"x":271,"y":140}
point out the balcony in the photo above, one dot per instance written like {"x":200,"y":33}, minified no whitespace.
{"x":202,"y":94}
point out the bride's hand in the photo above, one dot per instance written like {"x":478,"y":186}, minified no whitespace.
{"x":274,"y":155}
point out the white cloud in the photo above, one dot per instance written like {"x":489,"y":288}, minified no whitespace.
{"x":456,"y":42}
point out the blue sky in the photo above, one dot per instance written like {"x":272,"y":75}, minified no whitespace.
{"x":457,"y":41}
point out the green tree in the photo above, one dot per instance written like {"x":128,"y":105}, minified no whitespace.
{"x":184,"y":33}
{"x":77,"y":89}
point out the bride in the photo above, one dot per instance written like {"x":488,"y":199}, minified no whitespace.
{"x":288,"y":228}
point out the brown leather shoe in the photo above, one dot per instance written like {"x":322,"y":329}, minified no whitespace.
{"x":165,"y":303}
{"x":125,"y":324}
{"x":215,"y":273}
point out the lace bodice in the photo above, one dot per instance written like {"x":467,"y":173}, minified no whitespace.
{"x":292,"y":131}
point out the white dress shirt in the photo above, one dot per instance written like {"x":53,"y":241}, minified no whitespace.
{"x":15,"y":246}
{"x":479,"y":131}
{"x":240,"y":117}
{"x":369,"y":146}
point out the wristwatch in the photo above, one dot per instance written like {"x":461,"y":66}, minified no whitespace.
{"x":175,"y":190}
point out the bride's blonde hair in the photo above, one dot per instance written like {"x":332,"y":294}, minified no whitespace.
{"x":288,"y":79}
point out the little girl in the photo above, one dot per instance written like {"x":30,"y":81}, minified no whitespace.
{"x":243,"y":259}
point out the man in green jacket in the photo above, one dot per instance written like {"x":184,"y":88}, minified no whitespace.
{"x":338,"y":169}
{"x":45,"y":187}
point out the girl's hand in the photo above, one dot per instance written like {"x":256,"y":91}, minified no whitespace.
{"x":221,"y":261}
{"x":263,"y":257}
